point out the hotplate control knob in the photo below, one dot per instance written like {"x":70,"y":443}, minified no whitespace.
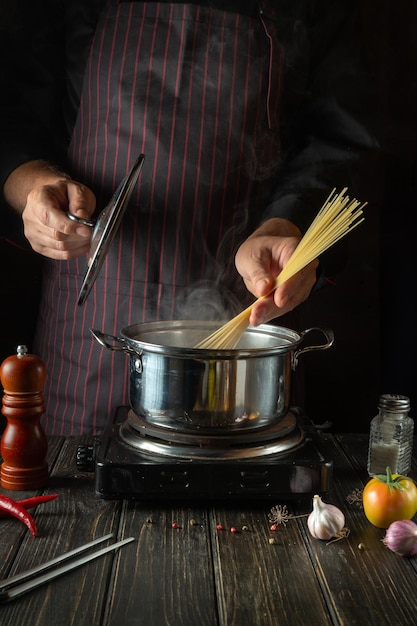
{"x":86,"y":458}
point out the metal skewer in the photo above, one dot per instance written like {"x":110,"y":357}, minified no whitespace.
{"x":9,"y":589}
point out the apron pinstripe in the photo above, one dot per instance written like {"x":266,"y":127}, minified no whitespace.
{"x":197,"y":91}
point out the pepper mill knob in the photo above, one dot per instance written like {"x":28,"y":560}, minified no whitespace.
{"x":23,"y":444}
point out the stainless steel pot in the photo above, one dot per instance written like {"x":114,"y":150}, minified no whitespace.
{"x":176,"y":386}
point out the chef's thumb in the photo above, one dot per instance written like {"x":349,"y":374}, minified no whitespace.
{"x":81,"y":199}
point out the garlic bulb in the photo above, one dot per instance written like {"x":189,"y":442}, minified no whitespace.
{"x":326,"y":520}
{"x":401,"y":537}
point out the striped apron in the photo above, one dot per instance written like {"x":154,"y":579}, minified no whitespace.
{"x":196,"y":90}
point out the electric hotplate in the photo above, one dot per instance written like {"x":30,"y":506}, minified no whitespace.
{"x":130,"y":464}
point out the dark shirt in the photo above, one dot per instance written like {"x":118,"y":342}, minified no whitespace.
{"x":315,"y":65}
{"x":323,"y":108}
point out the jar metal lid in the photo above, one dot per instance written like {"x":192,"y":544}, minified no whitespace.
{"x":393,"y":402}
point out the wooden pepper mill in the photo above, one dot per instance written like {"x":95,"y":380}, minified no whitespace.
{"x":23,"y":444}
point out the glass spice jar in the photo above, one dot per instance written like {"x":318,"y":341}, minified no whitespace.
{"x":391,"y":436}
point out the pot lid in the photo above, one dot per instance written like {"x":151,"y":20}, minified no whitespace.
{"x":106,"y":226}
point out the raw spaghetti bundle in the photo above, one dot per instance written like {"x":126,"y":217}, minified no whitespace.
{"x":338,"y":216}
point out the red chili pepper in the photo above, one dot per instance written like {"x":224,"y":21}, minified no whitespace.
{"x":17,"y":510}
{"x":30,"y":503}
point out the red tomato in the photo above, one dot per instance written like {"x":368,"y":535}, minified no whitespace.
{"x":390,"y":498}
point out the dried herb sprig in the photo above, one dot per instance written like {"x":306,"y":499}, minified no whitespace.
{"x":279,"y":515}
{"x":355,"y":498}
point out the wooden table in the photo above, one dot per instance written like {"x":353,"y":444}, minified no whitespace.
{"x":196,"y":574}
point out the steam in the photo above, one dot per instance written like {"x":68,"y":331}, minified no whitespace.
{"x":206,"y":302}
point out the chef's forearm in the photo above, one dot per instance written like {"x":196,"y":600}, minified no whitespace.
{"x":27,"y":177}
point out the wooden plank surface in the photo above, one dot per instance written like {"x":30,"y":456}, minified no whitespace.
{"x":259,"y":582}
{"x":183,"y":570}
{"x":71,"y":520}
{"x":372,"y":586}
{"x":12,"y":532}
{"x":168,"y":577}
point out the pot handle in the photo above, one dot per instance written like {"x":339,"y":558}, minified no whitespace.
{"x":116,"y":344}
{"x":327,"y":332}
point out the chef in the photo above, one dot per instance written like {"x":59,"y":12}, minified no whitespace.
{"x":243,"y":112}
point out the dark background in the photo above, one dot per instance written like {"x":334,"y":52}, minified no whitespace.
{"x":369,"y":308}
